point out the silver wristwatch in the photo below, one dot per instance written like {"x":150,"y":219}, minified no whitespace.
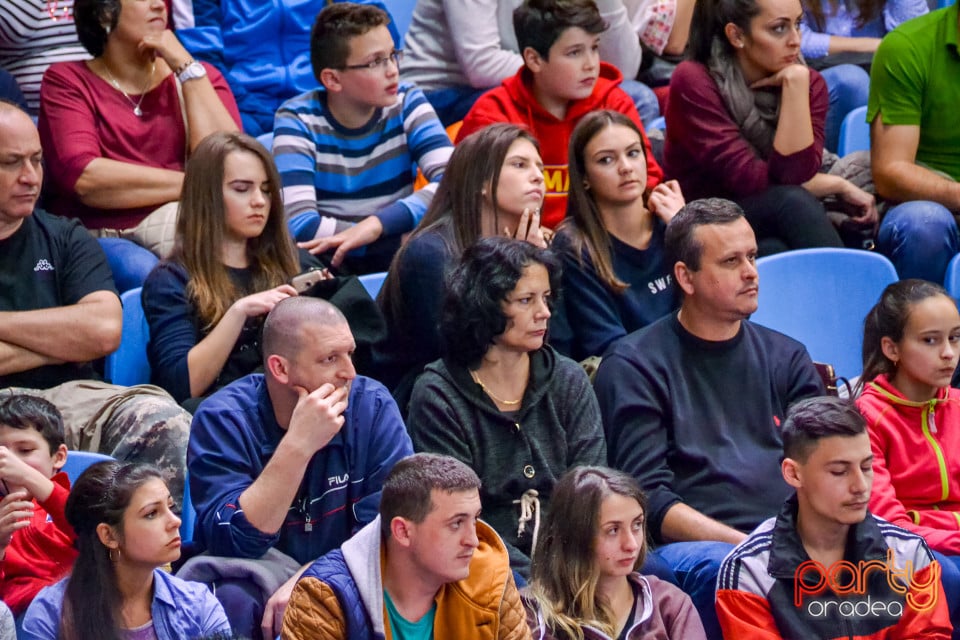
{"x":193,"y":70}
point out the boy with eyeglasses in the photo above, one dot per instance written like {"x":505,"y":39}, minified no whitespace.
{"x":346,"y":150}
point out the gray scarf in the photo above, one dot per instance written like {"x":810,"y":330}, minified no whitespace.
{"x":755,"y":112}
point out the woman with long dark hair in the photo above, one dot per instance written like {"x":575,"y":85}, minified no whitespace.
{"x":746,"y":122}
{"x":493,"y":185}
{"x":616,"y":277}
{"x":126,"y":531}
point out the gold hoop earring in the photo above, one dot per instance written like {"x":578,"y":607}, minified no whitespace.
{"x":110,"y":554}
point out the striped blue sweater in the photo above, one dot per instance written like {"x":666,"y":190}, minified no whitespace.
{"x":349,"y":174}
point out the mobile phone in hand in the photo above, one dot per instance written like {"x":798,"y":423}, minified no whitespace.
{"x":305,"y":281}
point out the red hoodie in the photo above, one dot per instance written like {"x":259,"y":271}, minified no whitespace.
{"x":514,"y":102}
{"x":40,"y":554}
{"x":916,"y":464}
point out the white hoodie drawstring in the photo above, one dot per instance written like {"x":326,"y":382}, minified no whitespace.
{"x":529,"y":510}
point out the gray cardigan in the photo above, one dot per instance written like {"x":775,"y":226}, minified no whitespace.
{"x":557,"y":427}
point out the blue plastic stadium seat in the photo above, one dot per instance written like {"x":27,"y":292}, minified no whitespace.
{"x":266,"y":140}
{"x":401,"y":13}
{"x":951,"y":281}
{"x":657,"y":123}
{"x":78,"y":461}
{"x":854,"y":132}
{"x":128,"y":365}
{"x":372,"y":282}
{"x":298,"y":225}
{"x":188,"y":515}
{"x":820,"y":297}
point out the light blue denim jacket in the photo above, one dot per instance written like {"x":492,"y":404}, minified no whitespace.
{"x":181,"y":610}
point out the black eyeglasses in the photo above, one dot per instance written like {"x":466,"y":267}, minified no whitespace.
{"x":379,"y":63}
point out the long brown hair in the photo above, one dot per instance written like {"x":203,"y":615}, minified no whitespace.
{"x":457,"y":205}
{"x":584,"y":221}
{"x":201,"y":229}
{"x":564,"y":570}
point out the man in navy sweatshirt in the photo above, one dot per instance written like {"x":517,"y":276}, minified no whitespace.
{"x":692,"y":404}
{"x":288,"y":464}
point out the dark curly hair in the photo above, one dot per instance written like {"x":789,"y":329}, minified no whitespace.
{"x":90,"y":17}
{"x":473,"y":305}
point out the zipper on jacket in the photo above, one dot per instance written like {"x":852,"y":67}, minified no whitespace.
{"x":929,"y":427}
{"x":305,"y":512}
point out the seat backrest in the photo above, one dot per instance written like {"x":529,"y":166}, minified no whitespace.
{"x":657,"y":123}
{"x":400,"y":12}
{"x":266,"y":139}
{"x":128,"y":365}
{"x":372,"y":282}
{"x":854,"y":132}
{"x":188,"y":515}
{"x":951,"y":281}
{"x":303,"y":226}
{"x":821,"y":297}
{"x":78,"y":461}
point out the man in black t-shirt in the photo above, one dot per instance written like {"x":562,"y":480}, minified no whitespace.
{"x":692,"y":404}
{"x":59,"y":311}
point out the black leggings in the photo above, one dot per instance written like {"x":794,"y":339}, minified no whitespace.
{"x":788,"y":217}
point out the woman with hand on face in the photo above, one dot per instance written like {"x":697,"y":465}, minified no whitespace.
{"x":117,"y":129}
{"x":585,"y":582}
{"x":126,"y":531}
{"x":746,"y":122}
{"x":616,"y":277}
{"x":493,"y":185}
{"x":501,"y":400}
{"x":230,"y":266}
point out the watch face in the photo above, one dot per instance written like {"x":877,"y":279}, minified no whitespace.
{"x":194,"y":70}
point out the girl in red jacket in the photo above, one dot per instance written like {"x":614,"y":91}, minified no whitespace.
{"x":911,"y":345}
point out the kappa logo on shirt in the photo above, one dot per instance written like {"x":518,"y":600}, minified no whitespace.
{"x":43,"y":265}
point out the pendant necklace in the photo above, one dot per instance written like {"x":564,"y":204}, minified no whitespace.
{"x":143,"y":93}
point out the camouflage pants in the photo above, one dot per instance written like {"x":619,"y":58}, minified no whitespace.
{"x":132,"y":424}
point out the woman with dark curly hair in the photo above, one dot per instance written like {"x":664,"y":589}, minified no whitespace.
{"x":501,"y":400}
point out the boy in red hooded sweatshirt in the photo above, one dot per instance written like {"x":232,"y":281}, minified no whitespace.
{"x":561,"y":81}
{"x":36,"y":541}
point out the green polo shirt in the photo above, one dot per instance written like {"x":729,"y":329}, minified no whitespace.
{"x":915,"y":80}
